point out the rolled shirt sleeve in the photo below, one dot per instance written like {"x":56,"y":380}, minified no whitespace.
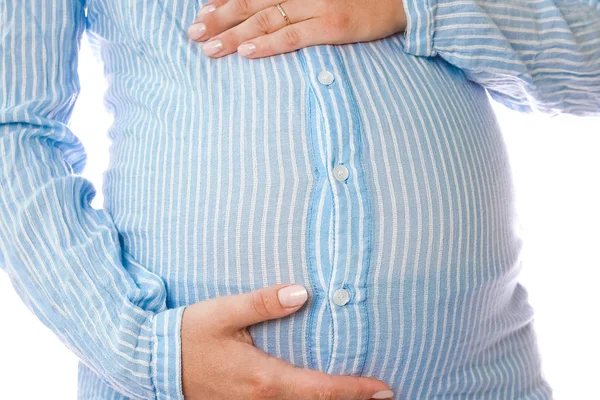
{"x":167,"y":354}
{"x":63,"y":257}
{"x":530,"y":55}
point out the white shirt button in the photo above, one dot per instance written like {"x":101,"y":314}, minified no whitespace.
{"x":341,"y":297}
{"x":341,"y":173}
{"x":326,"y":77}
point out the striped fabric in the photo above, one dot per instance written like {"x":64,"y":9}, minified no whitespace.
{"x":221,"y":181}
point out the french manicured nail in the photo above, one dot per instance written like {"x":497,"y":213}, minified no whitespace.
{"x":246,"y":49}
{"x":292,"y":296}
{"x":384,"y":394}
{"x":208,"y":8}
{"x":196,"y":31}
{"x":212,"y":47}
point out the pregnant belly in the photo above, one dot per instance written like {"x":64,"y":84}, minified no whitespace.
{"x":409,"y":254}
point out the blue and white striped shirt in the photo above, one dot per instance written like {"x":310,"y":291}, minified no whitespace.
{"x":387,"y":192}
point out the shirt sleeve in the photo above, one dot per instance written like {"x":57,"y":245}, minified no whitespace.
{"x":63,"y":257}
{"x":540,"y":55}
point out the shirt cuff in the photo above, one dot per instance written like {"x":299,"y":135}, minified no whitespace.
{"x":166,"y":354}
{"x":418,"y":36}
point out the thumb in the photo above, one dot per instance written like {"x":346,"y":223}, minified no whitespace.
{"x":276,"y":301}
{"x":303,"y":383}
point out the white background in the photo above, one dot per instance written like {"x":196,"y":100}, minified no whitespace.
{"x":556,"y":166}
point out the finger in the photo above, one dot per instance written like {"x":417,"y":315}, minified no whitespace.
{"x":211,"y":21}
{"x":217,"y":3}
{"x":292,"y":37}
{"x":303,"y":383}
{"x":241,"y":310}
{"x":264,"y":22}
{"x":208,"y":7}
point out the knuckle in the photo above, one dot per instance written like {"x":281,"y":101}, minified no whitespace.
{"x":263,"y":22}
{"x":326,"y":394}
{"x":292,"y":38}
{"x":261,"y":305}
{"x":339,"y":22}
{"x":244,"y":7}
{"x":360,"y":388}
{"x":327,"y":391}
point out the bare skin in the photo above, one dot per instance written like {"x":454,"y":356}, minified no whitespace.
{"x":227,"y":25}
{"x":220,"y":360}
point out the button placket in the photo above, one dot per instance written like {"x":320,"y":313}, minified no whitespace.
{"x":339,"y":136}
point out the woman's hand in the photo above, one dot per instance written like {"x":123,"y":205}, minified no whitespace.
{"x":256,"y":28}
{"x":219,"y":359}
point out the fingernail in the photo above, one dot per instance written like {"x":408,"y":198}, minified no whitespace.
{"x":196,"y":31}
{"x":246,"y":49}
{"x":208,"y":8}
{"x":384,"y":394}
{"x":212,"y":47}
{"x":292,"y":296}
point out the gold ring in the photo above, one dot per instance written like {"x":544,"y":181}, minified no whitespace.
{"x":287,"y":20}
